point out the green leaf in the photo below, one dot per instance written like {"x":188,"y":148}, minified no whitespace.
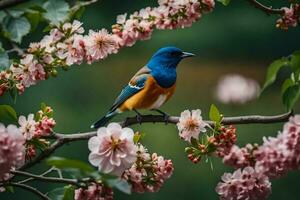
{"x":56,"y":194}
{"x":63,"y":163}
{"x":38,"y":8}
{"x":224,"y":2}
{"x":295,"y":63}
{"x":57,"y":11}
{"x":17,"y":28}
{"x":120,"y":184}
{"x":76,"y":14}
{"x":7,"y":113}
{"x":2,"y":16}
{"x":286,"y":84}
{"x":214,"y":114}
{"x":16,"y":13}
{"x":34,"y":18}
{"x":273,"y":69}
{"x":291,"y":96}
{"x":4,"y":59}
{"x":69,"y":192}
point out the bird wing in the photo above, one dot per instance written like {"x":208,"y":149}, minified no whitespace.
{"x":136,"y":84}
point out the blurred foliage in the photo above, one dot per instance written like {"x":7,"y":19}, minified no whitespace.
{"x":233,"y":39}
{"x":290,"y":88}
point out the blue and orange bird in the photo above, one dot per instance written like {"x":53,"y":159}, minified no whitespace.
{"x":150,"y":87}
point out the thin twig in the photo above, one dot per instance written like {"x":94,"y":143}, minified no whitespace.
{"x":16,"y":48}
{"x":31,"y":189}
{"x":267,"y":9}
{"x":43,"y":174}
{"x":48,"y":179}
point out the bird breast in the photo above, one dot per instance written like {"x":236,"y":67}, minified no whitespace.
{"x":159,"y":101}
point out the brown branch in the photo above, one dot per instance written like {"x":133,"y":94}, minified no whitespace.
{"x":267,"y":9}
{"x":10,"y":3}
{"x":31,"y":189}
{"x":61,"y":139}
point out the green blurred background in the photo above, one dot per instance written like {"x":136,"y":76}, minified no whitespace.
{"x":233,"y":39}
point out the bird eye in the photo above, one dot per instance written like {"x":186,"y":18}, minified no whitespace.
{"x":174,"y":53}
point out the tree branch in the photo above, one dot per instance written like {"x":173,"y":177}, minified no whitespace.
{"x":267,"y":9}
{"x":31,"y":189}
{"x":10,"y":3}
{"x":61,"y":139}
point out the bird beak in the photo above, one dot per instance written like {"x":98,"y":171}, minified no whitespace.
{"x":186,"y":54}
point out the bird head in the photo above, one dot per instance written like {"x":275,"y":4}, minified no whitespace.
{"x":168,"y":57}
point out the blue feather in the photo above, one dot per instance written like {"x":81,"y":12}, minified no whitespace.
{"x":129,"y":91}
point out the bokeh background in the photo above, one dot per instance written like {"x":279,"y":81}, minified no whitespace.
{"x":233,"y":39}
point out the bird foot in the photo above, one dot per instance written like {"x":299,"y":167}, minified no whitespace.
{"x":165,"y":115}
{"x":139,"y":118}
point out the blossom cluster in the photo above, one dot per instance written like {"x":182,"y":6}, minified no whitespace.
{"x":36,"y":126}
{"x":149,"y":172}
{"x":244,"y":184}
{"x":66,"y":44}
{"x":12,"y":150}
{"x":190,"y":126}
{"x":280,"y":154}
{"x":116,"y":151}
{"x":273,"y":159}
{"x":95,"y":191}
{"x":290,"y":18}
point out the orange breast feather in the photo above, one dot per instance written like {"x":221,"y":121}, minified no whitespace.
{"x":151,"y":96}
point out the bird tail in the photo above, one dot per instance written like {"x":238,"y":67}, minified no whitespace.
{"x":104,"y":120}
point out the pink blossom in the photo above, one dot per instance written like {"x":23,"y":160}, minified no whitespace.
{"x":191,"y":124}
{"x":280,"y":154}
{"x":29,"y":71}
{"x":28,"y":126}
{"x":94,"y":192}
{"x":236,"y":89}
{"x":238,"y":157}
{"x":113,"y":149}
{"x":44,"y":126}
{"x":290,"y":17}
{"x":12,"y":151}
{"x":73,"y":51}
{"x":149,"y":172}
{"x":225,"y":140}
{"x":100,"y":44}
{"x":75,"y":27}
{"x":244,"y":184}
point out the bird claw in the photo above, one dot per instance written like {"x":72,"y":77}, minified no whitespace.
{"x":139,"y":118}
{"x":166,"y":118}
{"x":165,"y":115}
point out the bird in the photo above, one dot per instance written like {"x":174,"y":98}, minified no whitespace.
{"x":150,"y":87}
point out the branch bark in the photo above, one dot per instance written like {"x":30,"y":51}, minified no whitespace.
{"x":267,"y":9}
{"x":10,"y":3}
{"x":61,"y":139}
